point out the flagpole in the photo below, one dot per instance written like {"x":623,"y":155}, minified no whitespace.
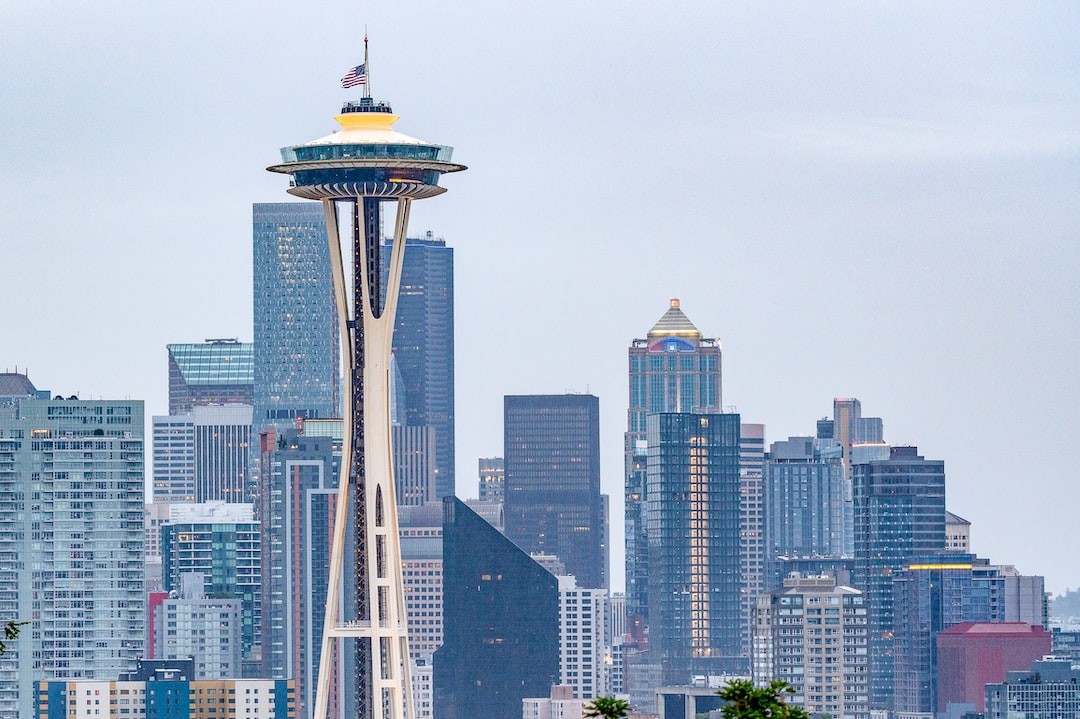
{"x":367,"y":68}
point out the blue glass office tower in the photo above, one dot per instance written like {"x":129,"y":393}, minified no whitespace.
{"x":674,"y":369}
{"x":297,"y":365}
{"x":424,"y":346}
{"x":806,"y":504}
{"x":694,"y":587}
{"x":899,"y":512}
{"x":930,"y":594}
{"x":500,"y":622}
{"x":551,"y":489}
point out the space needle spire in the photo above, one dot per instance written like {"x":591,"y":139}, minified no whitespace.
{"x":354,"y":172}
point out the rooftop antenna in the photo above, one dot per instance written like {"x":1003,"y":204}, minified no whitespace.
{"x":367,"y":67}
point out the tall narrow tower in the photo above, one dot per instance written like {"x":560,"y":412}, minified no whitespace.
{"x":358,"y":168}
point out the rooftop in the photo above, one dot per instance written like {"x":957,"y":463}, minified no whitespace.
{"x":674,"y":324}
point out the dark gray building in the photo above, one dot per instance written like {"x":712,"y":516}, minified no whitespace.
{"x":695,"y":618}
{"x":551,"y":453}
{"x":424,"y":350}
{"x":500,"y":622}
{"x":806,"y":505}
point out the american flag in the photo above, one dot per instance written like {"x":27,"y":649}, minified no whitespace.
{"x":355,"y":76}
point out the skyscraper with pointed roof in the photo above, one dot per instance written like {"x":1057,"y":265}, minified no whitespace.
{"x":674,"y":369}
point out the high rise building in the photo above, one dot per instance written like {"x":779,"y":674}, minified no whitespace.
{"x":298,"y":495}
{"x":492,"y":478}
{"x":422,"y":568}
{"x":930,"y":594}
{"x":751,"y":524}
{"x":218,"y":371}
{"x":811,"y":633}
{"x":356,"y":169}
{"x":899,"y":511}
{"x":424,"y":346}
{"x":296,"y":360}
{"x":807,"y":507}
{"x":221,"y":543}
{"x":501,"y":622}
{"x":415,"y":470}
{"x":695,"y":582}
{"x":188,"y":624}
{"x":582,"y":640}
{"x":673,"y":369}
{"x":957,"y":533}
{"x":71,"y":555}
{"x":552,"y":489}
{"x":204,"y":455}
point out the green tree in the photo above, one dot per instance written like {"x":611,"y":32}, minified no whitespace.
{"x":745,"y":701}
{"x":11,"y":632}
{"x":607,"y":708}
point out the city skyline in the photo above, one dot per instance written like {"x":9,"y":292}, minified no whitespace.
{"x":908,"y":172}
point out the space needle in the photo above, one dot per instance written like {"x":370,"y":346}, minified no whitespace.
{"x":356,"y":170}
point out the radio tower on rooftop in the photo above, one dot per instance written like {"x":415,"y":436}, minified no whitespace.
{"x":357,"y":169}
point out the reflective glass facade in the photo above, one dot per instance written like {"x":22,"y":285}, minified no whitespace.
{"x":501,"y":622}
{"x":694,"y":548}
{"x":899,"y":509}
{"x":674,"y":369}
{"x":424,"y":350}
{"x":211,"y":372}
{"x":551,"y":504}
{"x":297,"y":370}
{"x":806,"y":505}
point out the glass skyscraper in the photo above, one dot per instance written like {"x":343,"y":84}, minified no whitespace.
{"x":424,"y":347}
{"x":219,"y":371}
{"x":899,"y":510}
{"x":695,"y":621}
{"x":71,"y":553}
{"x":674,"y":369}
{"x":500,"y":622}
{"x":297,"y":364}
{"x":552,"y":480}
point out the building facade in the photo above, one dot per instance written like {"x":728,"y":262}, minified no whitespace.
{"x":971,"y":655}
{"x":188,"y":624}
{"x":296,"y":359}
{"x":424,"y":348}
{"x":1050,"y":690}
{"x":673,"y":369}
{"x":811,"y":633}
{"x":552,"y":489}
{"x":220,"y":542}
{"x":492,"y":477}
{"x":899,"y":512}
{"x":298,"y":493}
{"x":217,"y":371}
{"x":582,"y":639}
{"x":807,"y":505}
{"x":71,"y":558}
{"x":501,"y":622}
{"x":695,"y":612}
{"x":203,"y":455}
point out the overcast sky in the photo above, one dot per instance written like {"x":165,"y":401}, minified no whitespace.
{"x":859,"y":199}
